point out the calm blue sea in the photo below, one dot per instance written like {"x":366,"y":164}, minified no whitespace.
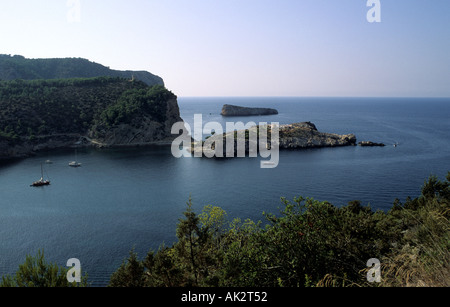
{"x":132,"y":198}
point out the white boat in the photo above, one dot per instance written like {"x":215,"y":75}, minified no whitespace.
{"x":74,"y":164}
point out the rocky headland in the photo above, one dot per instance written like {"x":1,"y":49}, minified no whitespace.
{"x":142,"y":130}
{"x":42,"y":115}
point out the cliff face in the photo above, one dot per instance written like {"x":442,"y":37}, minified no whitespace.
{"x":48,"y":114}
{"x":142,"y":130}
{"x":230,"y":110}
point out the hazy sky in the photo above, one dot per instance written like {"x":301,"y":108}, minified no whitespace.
{"x":246,"y":47}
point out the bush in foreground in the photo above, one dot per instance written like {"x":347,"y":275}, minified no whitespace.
{"x":310,"y":243}
{"x":37,"y":272}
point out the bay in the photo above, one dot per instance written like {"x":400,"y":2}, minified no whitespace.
{"x":132,"y":198}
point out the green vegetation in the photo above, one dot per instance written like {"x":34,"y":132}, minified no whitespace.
{"x":29,"y":109}
{"x":150,"y":101}
{"x":36,"y":272}
{"x":19,"y":67}
{"x":309,"y":244}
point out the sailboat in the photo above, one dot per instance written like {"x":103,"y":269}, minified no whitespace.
{"x":41,"y":182}
{"x":75,"y":163}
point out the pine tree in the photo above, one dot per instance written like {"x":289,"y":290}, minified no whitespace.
{"x":129,"y":274}
{"x":36,"y":272}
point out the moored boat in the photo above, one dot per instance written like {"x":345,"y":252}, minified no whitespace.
{"x":41,"y":182}
{"x":74,"y":164}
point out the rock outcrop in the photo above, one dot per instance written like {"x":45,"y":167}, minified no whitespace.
{"x":231,"y":110}
{"x":306,"y":135}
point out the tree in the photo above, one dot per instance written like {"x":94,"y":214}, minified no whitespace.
{"x":129,"y":274}
{"x":310,"y":243}
{"x":190,"y":240}
{"x":36,"y":272}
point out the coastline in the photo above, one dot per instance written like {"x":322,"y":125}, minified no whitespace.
{"x":66,"y":141}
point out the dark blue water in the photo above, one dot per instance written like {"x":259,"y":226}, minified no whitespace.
{"x":122,"y":198}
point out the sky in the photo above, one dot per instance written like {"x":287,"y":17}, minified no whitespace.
{"x":247,"y":47}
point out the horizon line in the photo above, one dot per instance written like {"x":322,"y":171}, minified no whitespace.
{"x":293,"y":96}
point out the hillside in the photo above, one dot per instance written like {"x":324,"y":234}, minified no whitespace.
{"x":19,"y":67}
{"x":45,"y":114}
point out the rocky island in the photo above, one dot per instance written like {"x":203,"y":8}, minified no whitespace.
{"x":231,"y":110}
{"x":302,"y":135}
{"x":306,"y":135}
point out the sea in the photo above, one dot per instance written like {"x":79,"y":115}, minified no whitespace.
{"x":132,"y":199}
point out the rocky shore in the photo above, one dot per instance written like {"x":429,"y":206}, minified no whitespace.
{"x":302,"y":135}
{"x":306,"y":135}
{"x":28,"y":147}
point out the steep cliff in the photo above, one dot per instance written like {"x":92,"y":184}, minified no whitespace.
{"x":141,"y":130}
